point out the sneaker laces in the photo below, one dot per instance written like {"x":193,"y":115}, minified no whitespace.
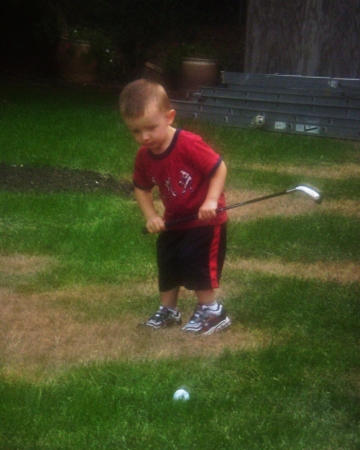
{"x":164,"y":311}
{"x":203,"y":312}
{"x":199,"y":314}
{"x":161,"y":312}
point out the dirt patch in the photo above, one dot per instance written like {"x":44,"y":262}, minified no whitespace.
{"x":24,"y":265}
{"x":343,"y":207}
{"x":50,"y":180}
{"x":37,"y":336}
{"x":42,"y":333}
{"x":333,"y":172}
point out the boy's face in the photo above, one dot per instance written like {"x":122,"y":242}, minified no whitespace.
{"x":153,"y":130}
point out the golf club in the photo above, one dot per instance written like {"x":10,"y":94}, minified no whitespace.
{"x":314,"y":195}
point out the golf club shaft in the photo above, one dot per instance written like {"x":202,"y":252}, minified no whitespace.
{"x":313,"y":194}
{"x":191,"y":217}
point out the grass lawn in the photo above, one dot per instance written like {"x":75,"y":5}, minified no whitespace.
{"x":77,"y":276}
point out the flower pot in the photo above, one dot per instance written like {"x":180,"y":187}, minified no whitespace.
{"x":197,"y":72}
{"x":76,"y":62}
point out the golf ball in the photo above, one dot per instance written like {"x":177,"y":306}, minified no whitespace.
{"x":181,"y":394}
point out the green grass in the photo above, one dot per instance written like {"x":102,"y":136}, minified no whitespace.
{"x":79,"y":129}
{"x":268,"y":401}
{"x":317,"y":237}
{"x":96,"y":237}
{"x":298,"y":390}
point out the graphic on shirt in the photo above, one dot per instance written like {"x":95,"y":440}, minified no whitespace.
{"x":186,"y":181}
{"x":169,"y":187}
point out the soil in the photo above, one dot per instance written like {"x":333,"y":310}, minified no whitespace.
{"x":53,"y":180}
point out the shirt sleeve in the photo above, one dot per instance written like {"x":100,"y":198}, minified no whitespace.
{"x":203,"y":156}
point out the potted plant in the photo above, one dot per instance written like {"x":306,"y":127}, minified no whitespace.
{"x":78,"y":54}
{"x":185,"y":67}
{"x":199,"y":66}
{"x":75,"y":59}
{"x":84,"y":49}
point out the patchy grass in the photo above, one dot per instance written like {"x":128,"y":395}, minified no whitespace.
{"x":339,"y":272}
{"x":45,"y":333}
{"x":332,"y":171}
{"x":42,"y":333}
{"x":23,"y":265}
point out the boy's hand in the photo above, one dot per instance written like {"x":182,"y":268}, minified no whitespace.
{"x":208,"y":210}
{"x":155,"y":225}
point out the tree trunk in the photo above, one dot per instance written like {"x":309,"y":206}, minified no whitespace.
{"x":304,"y":37}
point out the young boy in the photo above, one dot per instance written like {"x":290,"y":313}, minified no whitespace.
{"x":190,"y":177}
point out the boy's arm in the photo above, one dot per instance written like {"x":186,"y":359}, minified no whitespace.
{"x":217,"y":183}
{"x":154,"y":223}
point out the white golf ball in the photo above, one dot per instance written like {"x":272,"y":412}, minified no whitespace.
{"x":181,"y":394}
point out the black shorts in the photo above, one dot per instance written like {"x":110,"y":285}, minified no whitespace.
{"x":192,"y":258}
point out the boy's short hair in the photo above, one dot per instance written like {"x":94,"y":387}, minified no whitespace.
{"x":137,"y":95}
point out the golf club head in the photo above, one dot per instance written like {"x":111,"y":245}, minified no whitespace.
{"x":316,"y":197}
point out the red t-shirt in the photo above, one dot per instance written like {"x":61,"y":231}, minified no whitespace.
{"x":182,"y":173}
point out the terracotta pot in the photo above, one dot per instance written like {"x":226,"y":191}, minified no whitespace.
{"x":197,"y":72}
{"x":75,"y":61}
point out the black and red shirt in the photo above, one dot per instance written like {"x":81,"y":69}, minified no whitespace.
{"x":182,"y":173}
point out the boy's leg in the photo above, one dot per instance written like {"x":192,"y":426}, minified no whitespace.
{"x":206,"y":297}
{"x":167,"y":314}
{"x":205,"y":256}
{"x":169,"y":298}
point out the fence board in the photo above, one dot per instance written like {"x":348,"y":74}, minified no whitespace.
{"x":308,"y":105}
